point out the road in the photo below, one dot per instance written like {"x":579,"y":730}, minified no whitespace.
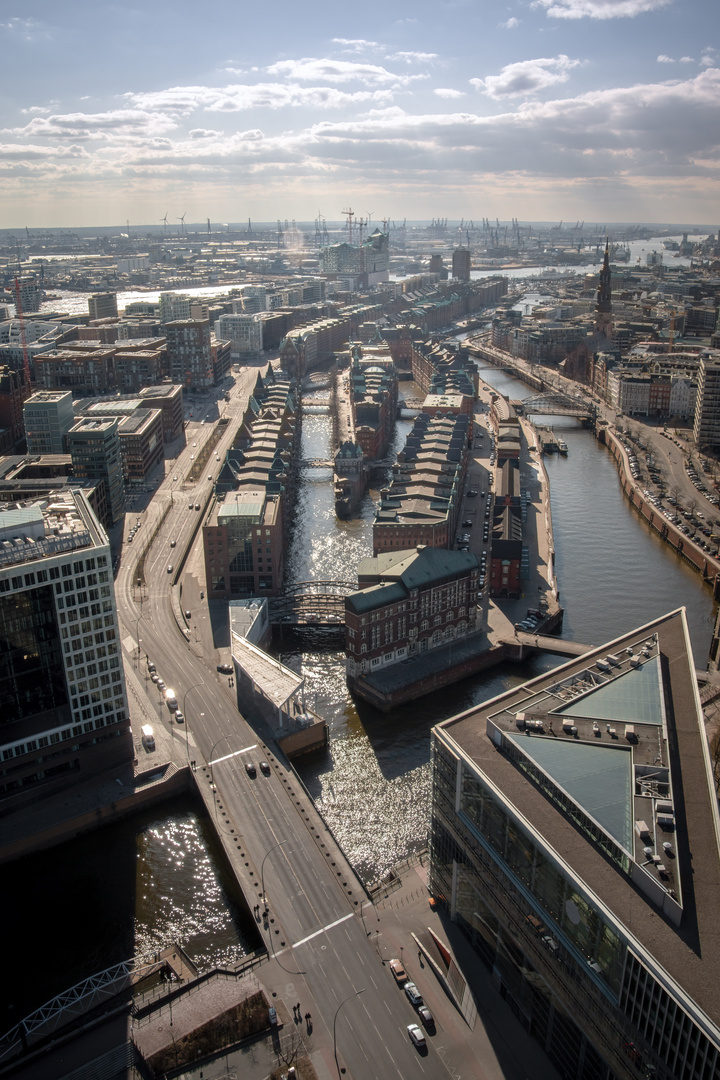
{"x":315,"y":925}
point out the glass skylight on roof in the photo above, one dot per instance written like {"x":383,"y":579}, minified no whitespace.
{"x":635,"y":697}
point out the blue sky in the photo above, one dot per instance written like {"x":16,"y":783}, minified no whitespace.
{"x":603,"y":110}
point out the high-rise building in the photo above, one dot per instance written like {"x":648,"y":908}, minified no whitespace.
{"x":64,"y":703}
{"x":103,"y":305}
{"x":48,"y":416}
{"x":189,"y":353}
{"x":575,"y":839}
{"x":706,"y":428}
{"x":603,"y":306}
{"x":461,"y":264}
{"x":94,"y":446}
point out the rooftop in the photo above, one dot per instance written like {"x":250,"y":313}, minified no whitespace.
{"x":605,"y":759}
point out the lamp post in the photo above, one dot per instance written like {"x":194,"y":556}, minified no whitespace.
{"x":350,"y":996}
{"x":262,"y":867}
{"x":193,"y":687}
{"x":212,"y":752}
{"x":137,"y":637}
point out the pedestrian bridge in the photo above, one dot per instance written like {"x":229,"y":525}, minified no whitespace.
{"x":311,"y":604}
{"x":555,"y":403}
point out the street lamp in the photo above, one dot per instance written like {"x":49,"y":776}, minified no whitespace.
{"x":193,"y":687}
{"x":137,"y":637}
{"x":262,"y":867}
{"x":355,"y":994}
{"x":212,"y":752}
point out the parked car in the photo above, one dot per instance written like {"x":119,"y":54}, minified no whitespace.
{"x":180,"y":717}
{"x":426,"y":1016}
{"x":225,"y":669}
{"x":413,"y":994}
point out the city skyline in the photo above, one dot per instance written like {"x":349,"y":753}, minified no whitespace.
{"x":587,"y":109}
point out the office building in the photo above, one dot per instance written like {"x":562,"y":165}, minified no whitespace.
{"x":461,"y":264}
{"x":65,"y":712}
{"x":103,"y":305}
{"x":94,"y":446}
{"x":48,"y":416}
{"x":244,"y":332}
{"x":575,"y":838}
{"x":14,"y":392}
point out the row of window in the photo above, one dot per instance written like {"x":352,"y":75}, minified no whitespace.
{"x":39,"y":577}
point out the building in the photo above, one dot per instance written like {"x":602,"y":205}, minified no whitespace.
{"x":603,"y":306}
{"x":706,"y":429}
{"x":408,"y":602}
{"x":461,"y":264}
{"x":83,"y":371}
{"x":141,"y":442}
{"x":48,"y":416}
{"x":169,"y":400}
{"x":14,"y":392}
{"x":189,"y":353}
{"x":65,"y":711}
{"x":94,"y":446}
{"x":30,"y":294}
{"x":575,"y":840}
{"x":103,"y":306}
{"x":243,"y":545}
{"x":244,"y":332}
{"x":136,"y":368}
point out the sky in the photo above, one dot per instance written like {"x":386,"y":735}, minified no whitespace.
{"x":597,"y":110}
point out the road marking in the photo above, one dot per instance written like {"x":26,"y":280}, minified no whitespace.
{"x":217,"y":760}
{"x":337,"y":922}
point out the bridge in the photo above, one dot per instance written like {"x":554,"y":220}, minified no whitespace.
{"x":555,"y":403}
{"x":311,"y":605}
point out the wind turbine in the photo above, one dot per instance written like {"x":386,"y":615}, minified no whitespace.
{"x":164,"y":222}
{"x":182,"y":223}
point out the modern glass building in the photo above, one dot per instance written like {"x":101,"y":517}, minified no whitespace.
{"x":575,"y":838}
{"x":62,"y":686}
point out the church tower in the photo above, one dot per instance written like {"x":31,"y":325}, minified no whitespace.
{"x":603,"y":307}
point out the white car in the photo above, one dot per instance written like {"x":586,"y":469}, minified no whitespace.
{"x":416,"y":1034}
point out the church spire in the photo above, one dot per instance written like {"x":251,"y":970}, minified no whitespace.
{"x":603,"y":307}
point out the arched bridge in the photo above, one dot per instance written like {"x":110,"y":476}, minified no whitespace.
{"x":311,"y":604}
{"x":554,"y":403}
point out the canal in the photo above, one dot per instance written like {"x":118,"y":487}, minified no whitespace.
{"x":373,"y":787}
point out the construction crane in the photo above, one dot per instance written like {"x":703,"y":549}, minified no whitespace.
{"x":23,"y":335}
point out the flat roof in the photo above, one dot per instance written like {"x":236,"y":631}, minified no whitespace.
{"x":664,"y":736}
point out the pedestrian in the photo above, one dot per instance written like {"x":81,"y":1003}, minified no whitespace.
{"x":298,"y":1008}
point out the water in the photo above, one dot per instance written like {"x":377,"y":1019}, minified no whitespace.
{"x":373,"y":787}
{"x":124,"y":891}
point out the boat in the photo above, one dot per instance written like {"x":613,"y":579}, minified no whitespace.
{"x":562,"y":446}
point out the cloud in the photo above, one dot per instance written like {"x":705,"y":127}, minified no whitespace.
{"x":29,"y":30}
{"x":413,"y":57}
{"x":510,"y":24}
{"x":663,"y":59}
{"x":447,"y":92}
{"x":184,"y":100}
{"x":599,"y":9}
{"x":310,"y":69}
{"x":707,"y":57}
{"x":357,"y":45}
{"x":526,"y":77}
{"x":204,"y":133}
{"x":104,"y":125}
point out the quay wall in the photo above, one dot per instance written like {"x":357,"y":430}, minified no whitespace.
{"x":48,"y":833}
{"x":499,"y":359}
{"x":700,"y":560}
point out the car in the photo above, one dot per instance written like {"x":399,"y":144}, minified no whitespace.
{"x":264,"y":768}
{"x":190,"y":506}
{"x":413,"y":994}
{"x":398,"y":971}
{"x":250,"y":769}
{"x":179,"y":717}
{"x":170,"y":569}
{"x":155,"y":677}
{"x":272,"y":1015}
{"x":209,"y":477}
{"x":471,"y":494}
{"x":225,"y":669}
{"x":174,"y":479}
{"x":194,"y":444}
{"x":416,"y":1034}
{"x":426,"y":1016}
{"x":197,"y":506}
{"x":160,"y":685}
{"x":467,"y":524}
{"x":187,"y":615}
